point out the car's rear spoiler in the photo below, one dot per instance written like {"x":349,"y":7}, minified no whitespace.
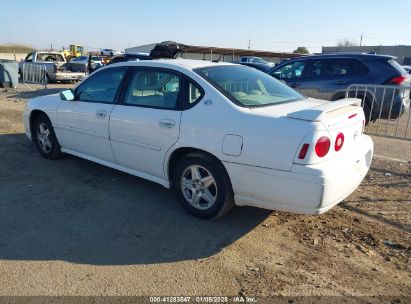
{"x":318,"y":112}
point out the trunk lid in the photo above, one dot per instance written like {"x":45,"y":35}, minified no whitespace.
{"x":342,"y":122}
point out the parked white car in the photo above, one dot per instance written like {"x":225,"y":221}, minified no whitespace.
{"x":219,"y":134}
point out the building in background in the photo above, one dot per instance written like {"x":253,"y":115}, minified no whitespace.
{"x":218,"y":53}
{"x":401,"y":52}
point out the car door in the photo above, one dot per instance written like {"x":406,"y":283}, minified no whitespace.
{"x":83,"y":122}
{"x":327,"y":78}
{"x":146,"y":123}
{"x":292,"y":73}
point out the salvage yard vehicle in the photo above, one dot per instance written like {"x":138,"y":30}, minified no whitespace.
{"x":56,"y":66}
{"x":327,"y":76}
{"x":80,"y":64}
{"x":219,"y":134}
{"x":109,"y":52}
{"x":75,"y":50}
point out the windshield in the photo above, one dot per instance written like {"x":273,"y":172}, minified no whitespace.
{"x":248,"y":87}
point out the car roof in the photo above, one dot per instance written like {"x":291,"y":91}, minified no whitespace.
{"x":345,"y":55}
{"x":45,"y":52}
{"x":185,"y":63}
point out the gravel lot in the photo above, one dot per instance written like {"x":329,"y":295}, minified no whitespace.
{"x":72,"y":227}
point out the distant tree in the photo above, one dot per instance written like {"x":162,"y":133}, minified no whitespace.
{"x":301,"y":50}
{"x":345,"y":43}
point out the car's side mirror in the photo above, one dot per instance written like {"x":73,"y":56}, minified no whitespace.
{"x":67,"y":95}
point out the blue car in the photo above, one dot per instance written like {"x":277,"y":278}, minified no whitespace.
{"x":327,"y":76}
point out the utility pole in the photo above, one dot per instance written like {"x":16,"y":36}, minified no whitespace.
{"x":361,"y":40}
{"x":249,"y":44}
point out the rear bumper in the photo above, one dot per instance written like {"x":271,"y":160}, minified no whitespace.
{"x":67,"y":76}
{"x":312,"y":189}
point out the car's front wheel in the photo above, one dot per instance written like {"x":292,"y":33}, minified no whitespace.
{"x":203,"y":186}
{"x":45,"y":138}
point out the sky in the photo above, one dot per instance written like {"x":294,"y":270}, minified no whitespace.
{"x":270,"y":25}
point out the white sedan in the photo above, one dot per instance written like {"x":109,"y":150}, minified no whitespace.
{"x":220,"y":134}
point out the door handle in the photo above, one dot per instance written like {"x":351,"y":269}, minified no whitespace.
{"x":167,"y":123}
{"x":101,"y":113}
{"x":342,"y":82}
{"x":294,"y":85}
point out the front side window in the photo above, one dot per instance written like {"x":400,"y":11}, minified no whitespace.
{"x":248,"y":87}
{"x":101,"y":86}
{"x":153,"y":88}
{"x":291,"y":70}
{"x":29,"y":57}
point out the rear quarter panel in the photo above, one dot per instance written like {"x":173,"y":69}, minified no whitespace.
{"x":268,"y":141}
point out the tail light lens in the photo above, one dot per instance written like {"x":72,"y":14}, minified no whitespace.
{"x":397,"y":80}
{"x":339,"y":142}
{"x":322,"y":146}
{"x":303,"y":151}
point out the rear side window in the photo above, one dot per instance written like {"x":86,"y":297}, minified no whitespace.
{"x":194,"y":93}
{"x":359,"y":68}
{"x":337,"y":67}
{"x":153,"y":88}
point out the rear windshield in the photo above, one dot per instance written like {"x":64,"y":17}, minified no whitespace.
{"x":248,"y":87}
{"x":397,"y":66}
{"x":49,"y":57}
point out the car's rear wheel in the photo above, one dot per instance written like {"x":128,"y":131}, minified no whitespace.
{"x":203,"y":186}
{"x":367,"y":113}
{"x":45,"y":138}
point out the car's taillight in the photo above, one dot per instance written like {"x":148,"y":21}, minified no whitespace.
{"x":397,"y":80}
{"x":339,"y":141}
{"x":303,"y":151}
{"x":322,"y":146}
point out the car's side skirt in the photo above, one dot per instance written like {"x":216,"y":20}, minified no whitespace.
{"x":146,"y":176}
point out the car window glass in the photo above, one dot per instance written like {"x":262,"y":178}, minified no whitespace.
{"x":194,"y":93}
{"x":49,"y":57}
{"x":316,"y":68}
{"x":248,"y":87}
{"x":337,"y":67}
{"x":101,"y":86}
{"x":29,"y":57}
{"x":359,"y":68}
{"x":153,"y":88}
{"x":291,"y":70}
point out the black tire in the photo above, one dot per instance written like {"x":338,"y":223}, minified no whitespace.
{"x":51,"y":149}
{"x":221,"y":189}
{"x":367,"y":111}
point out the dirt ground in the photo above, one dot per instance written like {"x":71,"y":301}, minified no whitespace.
{"x":72,"y":227}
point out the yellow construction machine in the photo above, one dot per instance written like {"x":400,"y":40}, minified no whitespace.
{"x":75,"y":50}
